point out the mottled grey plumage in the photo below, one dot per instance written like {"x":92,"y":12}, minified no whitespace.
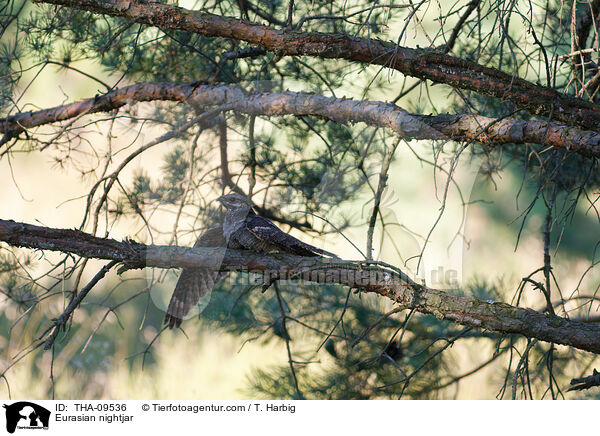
{"x":242,"y":228}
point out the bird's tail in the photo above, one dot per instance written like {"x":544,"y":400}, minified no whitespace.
{"x":193,"y":284}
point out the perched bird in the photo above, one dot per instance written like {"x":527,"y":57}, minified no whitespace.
{"x":242,"y":229}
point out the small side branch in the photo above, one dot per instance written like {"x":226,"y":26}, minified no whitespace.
{"x":580,"y":384}
{"x":61,"y":321}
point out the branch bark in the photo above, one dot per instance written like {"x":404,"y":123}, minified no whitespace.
{"x":427,"y":64}
{"x":582,"y":383}
{"x":365,"y":276}
{"x":484,"y":130}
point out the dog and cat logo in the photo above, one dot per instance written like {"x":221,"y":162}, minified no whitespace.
{"x":26,"y":415}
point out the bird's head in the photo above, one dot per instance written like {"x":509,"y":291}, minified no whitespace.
{"x":235,"y":201}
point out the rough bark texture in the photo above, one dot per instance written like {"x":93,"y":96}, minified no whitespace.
{"x":421,"y":63}
{"x":367,"y":277}
{"x":479,"y":129}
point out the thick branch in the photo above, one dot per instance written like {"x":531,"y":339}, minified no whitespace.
{"x":422,"y":63}
{"x":368,"y":277}
{"x":481,"y":129}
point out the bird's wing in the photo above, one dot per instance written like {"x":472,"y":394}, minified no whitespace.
{"x":212,"y":237}
{"x":194,"y":283}
{"x":266,"y":231}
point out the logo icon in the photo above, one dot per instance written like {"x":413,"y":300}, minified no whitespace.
{"x":26,"y":415}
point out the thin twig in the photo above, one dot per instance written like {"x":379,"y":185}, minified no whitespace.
{"x":287,"y":343}
{"x":64,"y":317}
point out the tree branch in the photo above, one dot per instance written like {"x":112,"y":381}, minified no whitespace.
{"x":485,"y":130}
{"x":580,"y":384}
{"x":427,"y":64}
{"x":61,"y":321}
{"x":365,"y":276}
